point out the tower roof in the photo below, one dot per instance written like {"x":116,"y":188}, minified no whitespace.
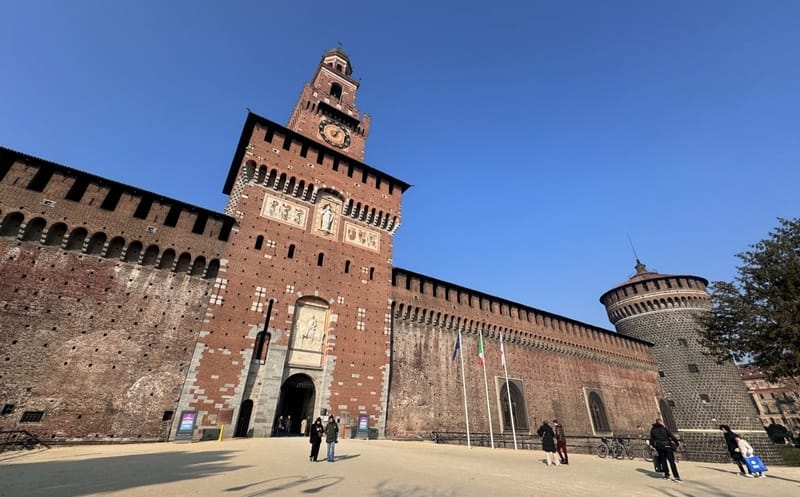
{"x":341,"y":54}
{"x":644,"y":274}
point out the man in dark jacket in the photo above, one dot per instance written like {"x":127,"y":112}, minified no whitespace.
{"x":665,"y":444}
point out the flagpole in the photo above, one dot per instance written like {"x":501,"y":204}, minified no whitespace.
{"x":486,"y":387}
{"x":508,"y":392}
{"x":464,"y":385}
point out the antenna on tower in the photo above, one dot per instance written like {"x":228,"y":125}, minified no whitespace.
{"x":635,"y":256}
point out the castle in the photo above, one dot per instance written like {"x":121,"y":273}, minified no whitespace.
{"x":127,"y":315}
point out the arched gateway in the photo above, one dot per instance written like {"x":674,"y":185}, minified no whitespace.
{"x":296,"y":402}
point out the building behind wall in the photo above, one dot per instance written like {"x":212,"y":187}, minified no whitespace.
{"x":700,"y":394}
{"x":777,"y":402}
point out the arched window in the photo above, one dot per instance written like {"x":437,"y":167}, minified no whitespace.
{"x":371,"y":273}
{"x":346,"y":266}
{"x":33,"y":230}
{"x":517,"y":405}
{"x":597,"y":410}
{"x":336,"y":91}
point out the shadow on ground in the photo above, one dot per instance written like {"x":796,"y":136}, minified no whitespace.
{"x":110,"y":474}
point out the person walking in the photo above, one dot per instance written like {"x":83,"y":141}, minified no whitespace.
{"x":665,"y":444}
{"x":561,"y":441}
{"x":315,"y":438}
{"x":548,"y":443}
{"x":733,"y":450}
{"x":746,"y":450}
{"x":331,"y":435}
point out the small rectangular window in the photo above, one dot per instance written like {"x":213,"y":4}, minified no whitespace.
{"x":662,"y":374}
{"x":167,"y":416}
{"x":704,"y":398}
{"x":693,"y":368}
{"x":682,"y":342}
{"x":7,"y":409}
{"x":31,"y":417}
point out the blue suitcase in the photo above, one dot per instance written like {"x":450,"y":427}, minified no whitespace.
{"x":755,"y":464}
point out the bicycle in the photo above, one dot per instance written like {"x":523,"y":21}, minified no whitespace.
{"x":616,"y":447}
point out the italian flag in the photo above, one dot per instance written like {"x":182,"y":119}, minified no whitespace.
{"x":480,"y":351}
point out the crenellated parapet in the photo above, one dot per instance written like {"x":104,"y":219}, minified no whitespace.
{"x":430,"y":302}
{"x":58,"y":206}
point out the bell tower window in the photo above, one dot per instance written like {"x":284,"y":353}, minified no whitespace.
{"x":336,"y":90}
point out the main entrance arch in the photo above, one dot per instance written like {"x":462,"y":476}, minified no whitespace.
{"x":296,"y":402}
{"x":514,"y":387}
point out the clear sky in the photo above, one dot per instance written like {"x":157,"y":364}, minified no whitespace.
{"x":538,"y":136}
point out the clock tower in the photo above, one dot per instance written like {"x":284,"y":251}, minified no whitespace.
{"x":326,"y":110}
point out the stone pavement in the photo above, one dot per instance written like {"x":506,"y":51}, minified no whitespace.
{"x":279,"y":467}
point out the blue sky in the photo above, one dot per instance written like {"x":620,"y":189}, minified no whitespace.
{"x":538,"y":136}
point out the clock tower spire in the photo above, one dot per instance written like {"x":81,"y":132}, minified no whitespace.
{"x":326,"y":110}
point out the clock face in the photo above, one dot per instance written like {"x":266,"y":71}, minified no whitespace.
{"x":334,"y":133}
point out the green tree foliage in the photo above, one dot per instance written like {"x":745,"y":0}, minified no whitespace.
{"x":756,"y":317}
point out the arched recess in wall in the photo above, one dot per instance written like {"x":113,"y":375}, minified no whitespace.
{"x":133,"y":252}
{"x":33,"y":230}
{"x":96,"y":243}
{"x":167,"y":259}
{"x":518,"y":406}
{"x":150,"y":256}
{"x":76,"y":238}
{"x":198,"y":267}
{"x":11,"y":224}
{"x":212,"y":270}
{"x":597,"y":412}
{"x":55,"y":234}
{"x":183,"y":263}
{"x":115,"y":246}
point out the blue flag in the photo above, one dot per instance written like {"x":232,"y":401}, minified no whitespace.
{"x":457,"y":346}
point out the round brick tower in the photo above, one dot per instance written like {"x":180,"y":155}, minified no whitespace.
{"x":699,"y":393}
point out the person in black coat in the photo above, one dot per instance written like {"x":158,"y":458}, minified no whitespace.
{"x":665,"y":444}
{"x":733,"y":450}
{"x":315,"y":438}
{"x":548,"y":443}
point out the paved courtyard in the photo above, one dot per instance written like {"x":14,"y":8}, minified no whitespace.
{"x":370,"y":468}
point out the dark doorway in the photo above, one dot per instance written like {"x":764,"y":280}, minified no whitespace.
{"x":243,"y":422}
{"x":296,"y":402}
{"x":517,"y":405}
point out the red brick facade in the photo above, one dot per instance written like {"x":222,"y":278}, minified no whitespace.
{"x":286,"y":305}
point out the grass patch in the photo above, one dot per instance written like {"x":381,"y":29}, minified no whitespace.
{"x":791,"y":455}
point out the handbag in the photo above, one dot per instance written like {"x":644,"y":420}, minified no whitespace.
{"x":755,"y":464}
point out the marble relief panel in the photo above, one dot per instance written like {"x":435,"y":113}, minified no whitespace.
{"x":284,"y":211}
{"x":362,"y":237}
